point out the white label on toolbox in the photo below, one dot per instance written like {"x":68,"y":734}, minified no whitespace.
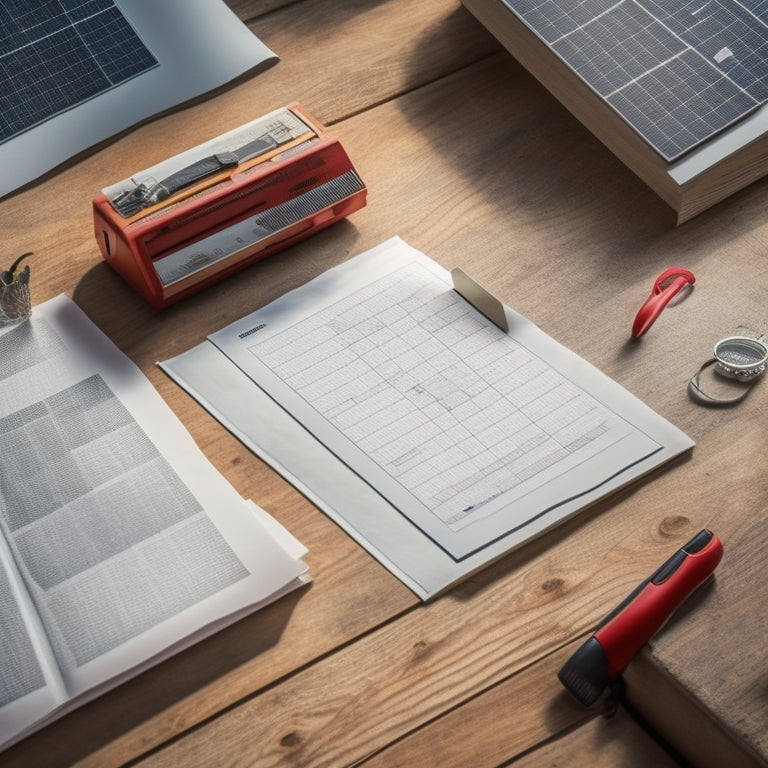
{"x":210,"y":250}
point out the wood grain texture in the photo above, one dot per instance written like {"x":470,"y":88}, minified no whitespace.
{"x":601,"y":744}
{"x":496,"y":726}
{"x":429,"y":662}
{"x":470,"y":160}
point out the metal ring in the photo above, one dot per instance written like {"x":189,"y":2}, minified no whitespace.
{"x":741,"y":358}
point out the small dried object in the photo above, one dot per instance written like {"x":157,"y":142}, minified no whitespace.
{"x":15,"y":301}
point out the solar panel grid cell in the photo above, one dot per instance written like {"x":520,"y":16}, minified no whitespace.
{"x":678,"y":73}
{"x":55,"y":54}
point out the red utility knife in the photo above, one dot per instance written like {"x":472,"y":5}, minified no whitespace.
{"x":602,"y":659}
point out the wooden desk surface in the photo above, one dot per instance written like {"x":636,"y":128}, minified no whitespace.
{"x":469,"y":159}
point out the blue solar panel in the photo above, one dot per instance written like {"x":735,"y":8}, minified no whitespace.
{"x":678,"y":71}
{"x":55,"y":54}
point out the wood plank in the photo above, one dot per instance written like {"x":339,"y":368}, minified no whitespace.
{"x":698,"y":683}
{"x":501,"y":724}
{"x":402,"y":676}
{"x":600,"y":744}
{"x":439,"y":656}
{"x":338,"y":60}
{"x":514,"y":722}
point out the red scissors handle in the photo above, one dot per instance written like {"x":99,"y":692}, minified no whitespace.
{"x":666,"y":286}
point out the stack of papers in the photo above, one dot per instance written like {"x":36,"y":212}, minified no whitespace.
{"x":120,"y":543}
{"x":435,"y":438}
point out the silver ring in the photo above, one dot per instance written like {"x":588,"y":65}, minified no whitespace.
{"x":742,"y":358}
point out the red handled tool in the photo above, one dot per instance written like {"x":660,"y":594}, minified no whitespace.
{"x":601,"y":660}
{"x":666,"y":286}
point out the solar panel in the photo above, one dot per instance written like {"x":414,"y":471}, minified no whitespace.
{"x":677,"y":72}
{"x":55,"y":54}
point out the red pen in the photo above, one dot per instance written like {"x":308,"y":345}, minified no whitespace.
{"x":600,"y":660}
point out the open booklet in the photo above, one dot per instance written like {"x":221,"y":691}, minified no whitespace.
{"x":121,"y":543}
{"x":438,"y":439}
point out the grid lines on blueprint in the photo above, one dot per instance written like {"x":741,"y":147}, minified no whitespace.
{"x":677,"y":71}
{"x":453,"y":410}
{"x":56,"y":54}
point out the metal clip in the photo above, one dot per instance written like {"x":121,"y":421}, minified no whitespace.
{"x":142,"y":196}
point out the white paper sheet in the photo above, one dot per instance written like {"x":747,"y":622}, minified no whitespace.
{"x":473,"y":440}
